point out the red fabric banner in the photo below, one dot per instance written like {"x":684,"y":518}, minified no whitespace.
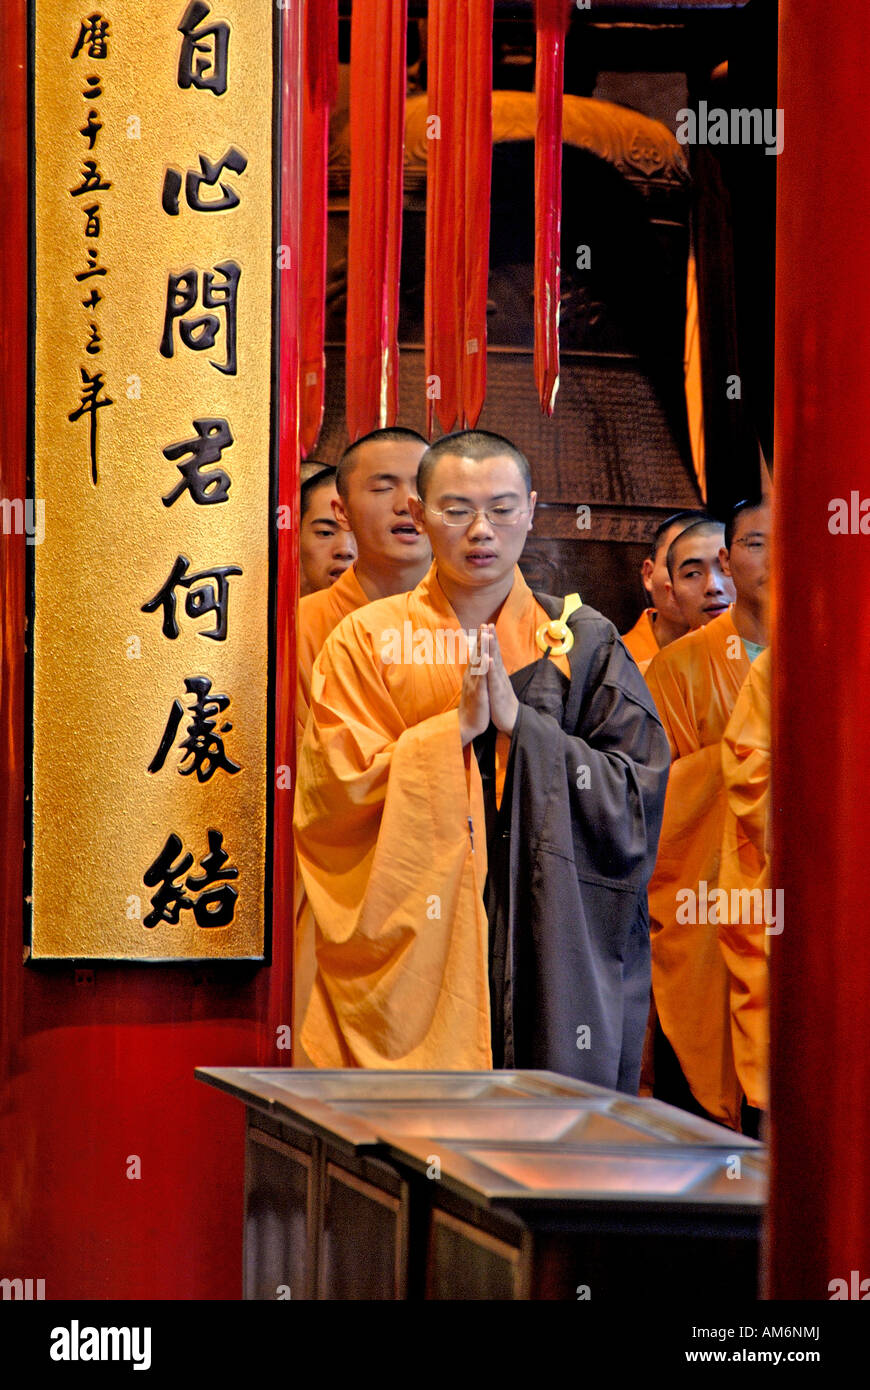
{"x":457,"y":209}
{"x":321,"y":82}
{"x":551,"y":22}
{"x":478,"y":181}
{"x":377,"y":147}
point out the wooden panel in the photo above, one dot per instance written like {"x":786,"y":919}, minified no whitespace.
{"x":279,"y":1219}
{"x":363,"y":1237}
{"x":468,"y":1263}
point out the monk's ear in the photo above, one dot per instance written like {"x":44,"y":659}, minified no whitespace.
{"x":340,"y":514}
{"x":646,"y":574}
{"x":415,"y":507}
{"x":723,"y":561}
{"x":533,"y":497}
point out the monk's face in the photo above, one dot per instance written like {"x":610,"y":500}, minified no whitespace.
{"x":383,"y":477}
{"x":700,"y":586}
{"x":325,"y":549}
{"x":654,"y":574}
{"x":481,"y":552}
{"x":748,"y":560}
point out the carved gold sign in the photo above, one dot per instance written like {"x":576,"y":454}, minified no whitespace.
{"x":153,"y":346}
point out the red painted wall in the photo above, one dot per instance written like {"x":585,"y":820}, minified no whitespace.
{"x":92,"y":1073}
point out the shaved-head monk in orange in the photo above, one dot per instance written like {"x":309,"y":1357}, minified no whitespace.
{"x":478,"y":801}
{"x":376,"y":477}
{"x":325,"y":548}
{"x":698,"y":581}
{"x":695,"y":682}
{"x":693,"y":588}
{"x":663,"y":622}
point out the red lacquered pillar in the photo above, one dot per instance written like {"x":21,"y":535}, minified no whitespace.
{"x":819,"y":1224}
{"x":276,"y":1051}
{"x":93,"y":1070}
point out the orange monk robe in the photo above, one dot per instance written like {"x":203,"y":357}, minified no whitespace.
{"x":695,"y":682}
{"x":641,"y":643}
{"x":640,"y":640}
{"x":745,"y":865}
{"x":398,"y":896}
{"x":318,"y":614}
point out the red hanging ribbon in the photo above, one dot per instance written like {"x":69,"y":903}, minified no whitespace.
{"x":478,"y":182}
{"x":321,"y":83}
{"x":551,"y":22}
{"x":459,"y":172}
{"x":377,"y":146}
{"x":444,"y":210}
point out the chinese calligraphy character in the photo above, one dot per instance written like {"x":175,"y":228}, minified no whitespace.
{"x":208,"y":598}
{"x":203,"y":746}
{"x":169,"y":900}
{"x":93,"y":269}
{"x":213,"y":908}
{"x":92,"y":346}
{"x":93,"y":88}
{"x":222,"y":900}
{"x":90,"y":404}
{"x":200,"y":333}
{"x":213,"y":436}
{"x":93,"y":34}
{"x":202,"y":63}
{"x":91,"y":179}
{"x":91,"y":129}
{"x":209,"y":175}
{"x":93,"y":298}
{"x":92,"y":213}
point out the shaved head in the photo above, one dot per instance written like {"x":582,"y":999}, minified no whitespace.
{"x":742,"y":510}
{"x":698,"y":581}
{"x":746,"y":559}
{"x":470,"y":444}
{"x":672,"y":526}
{"x":667,"y":619}
{"x":320,"y":476}
{"x":377,"y":476}
{"x":398,"y":434}
{"x":680,"y":546}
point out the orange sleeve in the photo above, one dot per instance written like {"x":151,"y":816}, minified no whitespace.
{"x":746,"y":774}
{"x":393,"y":876}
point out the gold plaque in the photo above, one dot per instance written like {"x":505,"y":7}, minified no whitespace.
{"x":153,"y":468}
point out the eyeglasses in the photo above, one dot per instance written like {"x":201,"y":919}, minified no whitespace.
{"x":757,"y":543}
{"x":464,"y":516}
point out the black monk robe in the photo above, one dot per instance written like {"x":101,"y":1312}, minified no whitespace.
{"x":571,"y":848}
